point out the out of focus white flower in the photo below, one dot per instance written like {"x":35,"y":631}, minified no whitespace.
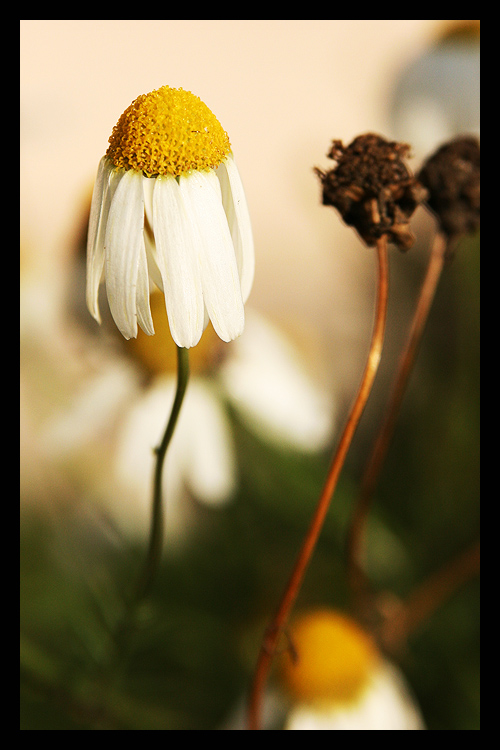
{"x":267,"y":382}
{"x":260,"y":374}
{"x":337,"y":679}
{"x":200,"y":458}
{"x":386,"y":704}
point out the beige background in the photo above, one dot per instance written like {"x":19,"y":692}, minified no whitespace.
{"x":283,"y":89}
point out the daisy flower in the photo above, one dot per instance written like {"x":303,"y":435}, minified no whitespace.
{"x":168,"y":209}
{"x":338,"y":680}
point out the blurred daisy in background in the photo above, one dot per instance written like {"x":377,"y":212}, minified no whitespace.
{"x":260,"y":375}
{"x":337,"y":679}
{"x":437,"y":96}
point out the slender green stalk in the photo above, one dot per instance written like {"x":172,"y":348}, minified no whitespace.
{"x":115,"y":661}
{"x":153,"y":558}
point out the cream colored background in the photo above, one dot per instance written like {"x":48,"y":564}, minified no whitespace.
{"x":283,"y":89}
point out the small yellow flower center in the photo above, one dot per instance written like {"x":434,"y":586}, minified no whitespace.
{"x":169,"y":131}
{"x":334,"y":658}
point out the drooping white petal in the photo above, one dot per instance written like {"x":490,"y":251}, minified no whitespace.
{"x":95,"y":249}
{"x":148,"y":185}
{"x":152,"y":260}
{"x":265,"y":379}
{"x":238,"y":217}
{"x":143,"y":308}
{"x":177,"y":257}
{"x":219,"y":270}
{"x":124,"y":248}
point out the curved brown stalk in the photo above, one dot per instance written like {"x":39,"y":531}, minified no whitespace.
{"x":428,"y":597}
{"x":275,"y":629}
{"x":355,"y":542}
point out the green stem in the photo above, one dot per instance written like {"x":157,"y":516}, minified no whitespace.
{"x":153,"y":558}
{"x":115,"y":662}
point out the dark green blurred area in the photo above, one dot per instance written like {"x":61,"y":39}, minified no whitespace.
{"x":192,"y":650}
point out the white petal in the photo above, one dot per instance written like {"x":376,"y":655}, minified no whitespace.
{"x":152,"y":260}
{"x":236,"y":208}
{"x":265,"y":379}
{"x":219,"y":270}
{"x":386,"y":704}
{"x":209,"y":459}
{"x":124,"y":248}
{"x":177,"y":257}
{"x":146,"y":263}
{"x":95,"y":248}
{"x":148,"y":185}
{"x":143,"y":308}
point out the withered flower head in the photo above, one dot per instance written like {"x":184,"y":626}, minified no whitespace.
{"x":452,"y":178}
{"x":373,"y":189}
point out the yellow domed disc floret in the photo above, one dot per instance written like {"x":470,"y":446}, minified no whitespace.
{"x":334,"y":658}
{"x":168,"y":131}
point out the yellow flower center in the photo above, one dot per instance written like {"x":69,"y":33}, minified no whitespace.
{"x":334,"y":658}
{"x":158,"y":353}
{"x":169,"y":131}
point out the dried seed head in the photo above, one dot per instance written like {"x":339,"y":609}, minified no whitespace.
{"x":452,"y":178}
{"x":373,"y":189}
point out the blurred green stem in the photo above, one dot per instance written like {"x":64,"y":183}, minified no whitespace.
{"x":153,"y":558}
{"x":114,"y":663}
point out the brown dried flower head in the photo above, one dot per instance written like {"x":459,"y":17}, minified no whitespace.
{"x":452,"y":178}
{"x":373,"y":189}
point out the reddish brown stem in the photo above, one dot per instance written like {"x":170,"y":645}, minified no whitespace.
{"x":355,"y":542}
{"x":273,"y":632}
{"x":428,"y":597}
